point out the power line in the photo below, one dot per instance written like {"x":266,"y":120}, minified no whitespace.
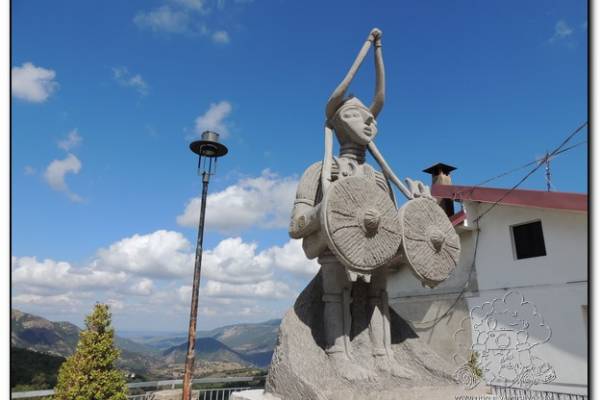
{"x":503,"y":174}
{"x":558,"y":150}
{"x":553,"y":153}
{"x":571,"y":147}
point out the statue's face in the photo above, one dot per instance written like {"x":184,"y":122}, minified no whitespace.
{"x":356,"y":123}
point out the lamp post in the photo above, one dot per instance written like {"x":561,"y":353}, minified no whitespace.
{"x":209,"y":150}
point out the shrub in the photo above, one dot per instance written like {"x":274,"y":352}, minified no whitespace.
{"x":90,"y":374}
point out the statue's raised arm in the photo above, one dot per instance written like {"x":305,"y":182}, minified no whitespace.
{"x":379,"y":98}
{"x":337,"y":97}
{"x":336,"y":100}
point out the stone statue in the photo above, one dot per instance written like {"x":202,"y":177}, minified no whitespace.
{"x":355,"y":126}
{"x":366,"y":248}
{"x":346,"y":215}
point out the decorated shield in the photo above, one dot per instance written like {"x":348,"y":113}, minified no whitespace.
{"x":431,"y":245}
{"x":361,"y":223}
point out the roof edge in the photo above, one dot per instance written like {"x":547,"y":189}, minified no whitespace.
{"x":517,"y":197}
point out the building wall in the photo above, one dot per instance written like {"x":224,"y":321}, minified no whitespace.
{"x":565,"y":236}
{"x":556,"y":284}
{"x":440,"y":330}
{"x":560,"y":306}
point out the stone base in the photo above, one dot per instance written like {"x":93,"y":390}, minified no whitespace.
{"x":420,"y":393}
{"x":301,"y":370}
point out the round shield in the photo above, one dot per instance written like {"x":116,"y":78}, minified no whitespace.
{"x":361,"y":223}
{"x":431,"y":245}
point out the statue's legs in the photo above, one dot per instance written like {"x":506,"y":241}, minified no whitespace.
{"x":337,"y":318}
{"x":379,"y":327}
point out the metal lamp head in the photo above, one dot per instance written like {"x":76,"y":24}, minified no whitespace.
{"x":208,"y":145}
{"x":208,"y":149}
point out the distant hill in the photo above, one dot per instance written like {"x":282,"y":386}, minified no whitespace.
{"x":207,"y":349}
{"x":32,"y":370}
{"x":254,"y":344}
{"x":261,"y":359}
{"x":248,"y":338}
{"x":35,"y":333}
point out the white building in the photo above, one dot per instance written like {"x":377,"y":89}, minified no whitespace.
{"x":521,"y":292}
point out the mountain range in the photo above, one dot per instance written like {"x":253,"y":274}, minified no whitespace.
{"x":244,"y":345}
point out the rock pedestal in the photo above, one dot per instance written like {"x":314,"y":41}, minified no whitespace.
{"x":301,"y":370}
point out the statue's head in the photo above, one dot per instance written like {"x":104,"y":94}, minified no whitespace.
{"x":354,"y":122}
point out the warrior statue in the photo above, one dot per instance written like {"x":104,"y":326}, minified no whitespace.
{"x":346,"y":214}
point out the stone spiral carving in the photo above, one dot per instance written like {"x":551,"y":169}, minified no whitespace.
{"x":430,"y":243}
{"x":361,"y":223}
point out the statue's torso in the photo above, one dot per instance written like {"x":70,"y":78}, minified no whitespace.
{"x":309,"y":193}
{"x":309,"y":188}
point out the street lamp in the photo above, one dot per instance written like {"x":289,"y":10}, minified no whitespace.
{"x":209,"y":150}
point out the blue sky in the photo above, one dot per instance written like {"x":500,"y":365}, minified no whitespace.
{"x":107,"y":97}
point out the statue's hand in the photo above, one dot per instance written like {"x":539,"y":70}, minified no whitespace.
{"x":375,"y":35}
{"x":305,"y":221}
{"x":418,"y":189}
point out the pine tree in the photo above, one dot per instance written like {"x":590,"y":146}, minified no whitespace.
{"x":89,"y":374}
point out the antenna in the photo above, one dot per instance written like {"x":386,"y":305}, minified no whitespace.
{"x":548,"y":173}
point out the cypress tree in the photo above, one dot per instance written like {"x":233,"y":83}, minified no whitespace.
{"x":90,"y":374}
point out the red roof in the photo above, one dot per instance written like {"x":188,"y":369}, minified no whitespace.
{"x":518,"y":197}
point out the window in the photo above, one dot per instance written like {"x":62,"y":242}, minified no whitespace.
{"x":528,"y":240}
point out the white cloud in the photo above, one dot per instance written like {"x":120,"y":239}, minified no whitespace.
{"x":195,"y":5}
{"x":29,"y":170}
{"x":290,"y":257}
{"x":163,"y":18}
{"x":144,"y":287}
{"x":214,"y":119}
{"x":73,"y":139}
{"x":183,"y":297}
{"x":561,"y":31}
{"x":184,"y":294}
{"x":265,"y":201}
{"x":168,"y":255}
{"x":234,"y":261}
{"x":158,"y":254}
{"x":115,"y":304}
{"x":220,"y":37}
{"x":265,"y":289}
{"x":56,"y":171}
{"x":125,"y":78}
{"x":60,"y":274}
{"x":31,"y":83}
{"x":49,"y":300}
{"x":254,"y":310}
{"x":191,"y":18}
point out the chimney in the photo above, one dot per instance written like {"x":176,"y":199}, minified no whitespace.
{"x":440,"y":175}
